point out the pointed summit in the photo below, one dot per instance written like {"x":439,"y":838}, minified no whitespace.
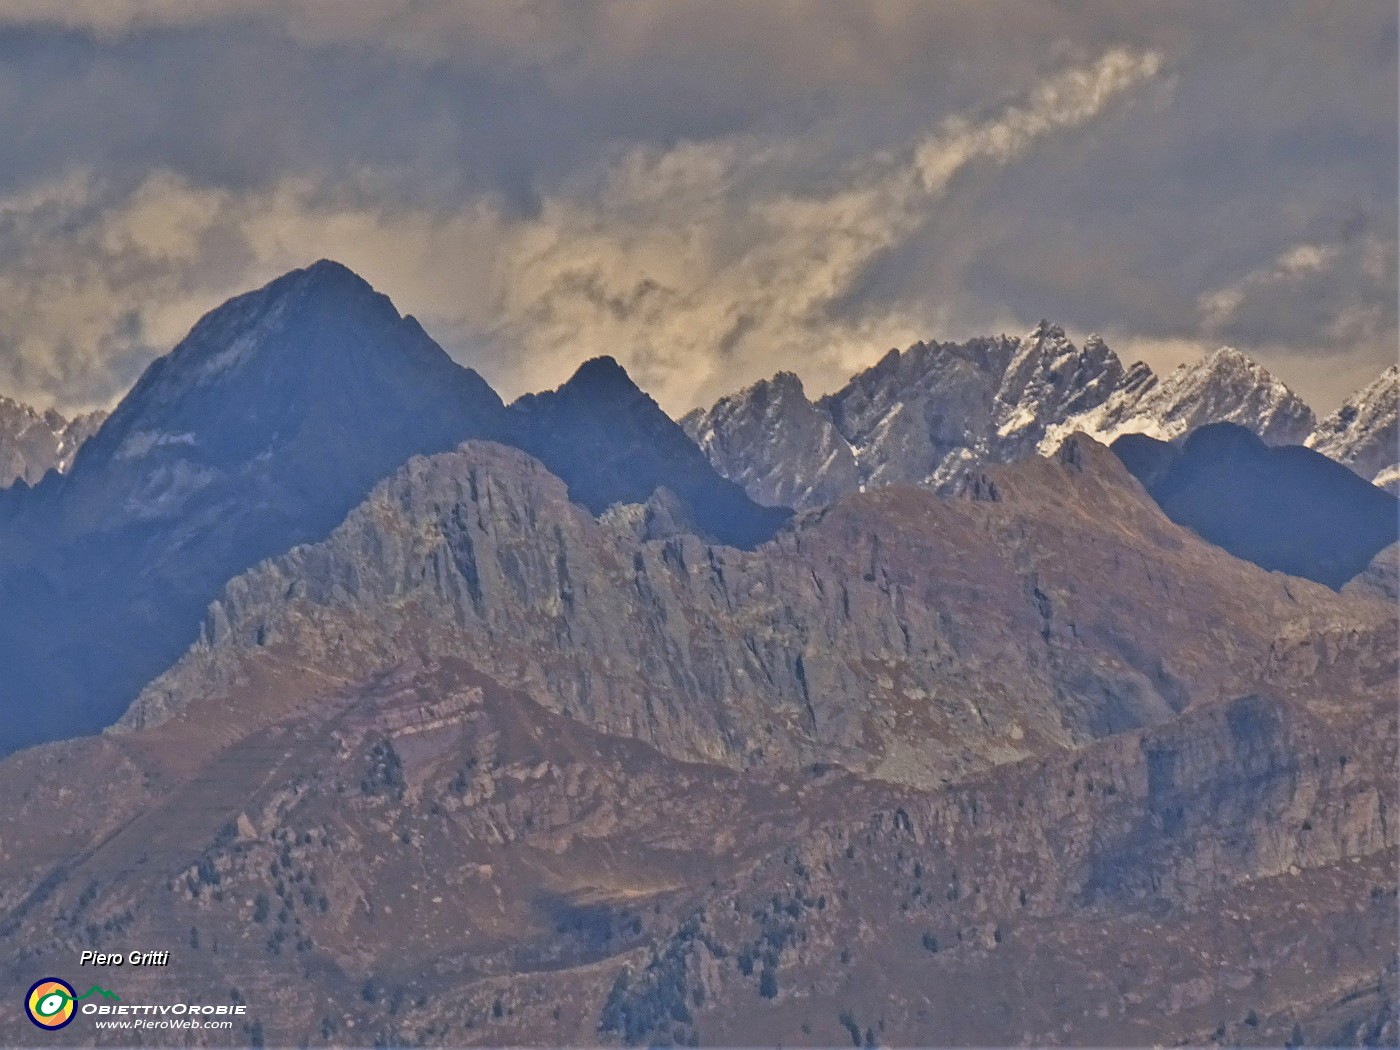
{"x":1228,"y":386}
{"x":612,"y":444}
{"x":601,"y":372}
{"x":1049,"y":379}
{"x":330,"y":271}
{"x":1362,"y":433}
{"x":315,"y":351}
{"x":1045,"y":330}
{"x":275,"y":415}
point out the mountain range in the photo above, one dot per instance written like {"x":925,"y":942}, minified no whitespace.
{"x":272,"y":419}
{"x":930,"y":414}
{"x":901,"y":717}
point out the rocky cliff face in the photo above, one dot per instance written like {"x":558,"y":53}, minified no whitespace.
{"x":831,"y":643}
{"x":1255,"y":809}
{"x":33,"y":443}
{"x":1362,"y":433}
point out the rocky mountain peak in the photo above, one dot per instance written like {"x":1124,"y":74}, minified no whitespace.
{"x":600,"y":377}
{"x":312,"y":344}
{"x":613,"y":444}
{"x":923,"y":416}
{"x":260,"y":430}
{"x":1228,"y":386}
{"x":32,"y":443}
{"x":781,"y":447}
{"x":1362,"y":433}
{"x":1045,"y":330}
{"x":1225,"y":386}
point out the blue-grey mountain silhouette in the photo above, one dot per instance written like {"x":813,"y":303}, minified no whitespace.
{"x":1285,"y":508}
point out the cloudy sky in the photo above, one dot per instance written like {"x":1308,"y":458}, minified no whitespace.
{"x":707,"y":191}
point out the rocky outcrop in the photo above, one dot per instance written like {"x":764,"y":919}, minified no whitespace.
{"x":831,"y":643}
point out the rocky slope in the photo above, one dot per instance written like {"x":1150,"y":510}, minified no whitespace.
{"x":1026,"y":763}
{"x":932,"y":413}
{"x":32,"y":443}
{"x":509,"y":751}
{"x":430,"y":858}
{"x":1362,"y":433}
{"x":831,"y":643}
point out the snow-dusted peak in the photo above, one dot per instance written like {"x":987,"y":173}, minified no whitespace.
{"x":921,"y":416}
{"x":1045,"y":331}
{"x":1362,"y":433}
{"x":1049,"y":379}
{"x":32,"y":443}
{"x":1229,"y":386}
{"x":1225,"y":386}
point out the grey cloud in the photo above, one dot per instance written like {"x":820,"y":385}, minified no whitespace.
{"x":470,"y":159}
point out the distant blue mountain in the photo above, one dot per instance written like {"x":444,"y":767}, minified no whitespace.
{"x":1285,"y":508}
{"x":611,"y":443}
{"x":261,"y":430}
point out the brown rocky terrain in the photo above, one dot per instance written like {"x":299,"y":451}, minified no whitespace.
{"x":430,"y":858}
{"x":1028,"y":764}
